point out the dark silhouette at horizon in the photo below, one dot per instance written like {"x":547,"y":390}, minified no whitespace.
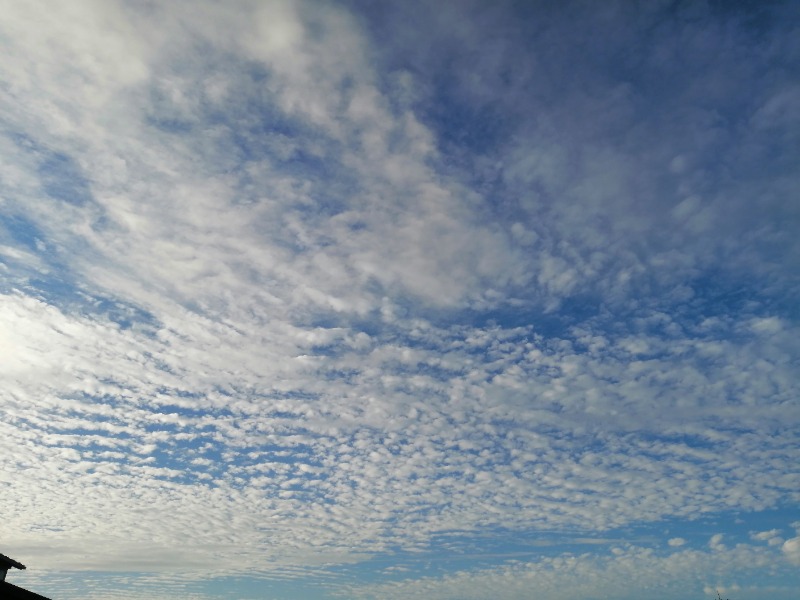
{"x":9,"y":590}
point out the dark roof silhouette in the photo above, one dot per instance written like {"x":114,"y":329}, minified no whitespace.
{"x":6,"y":563}
{"x":9,"y":590}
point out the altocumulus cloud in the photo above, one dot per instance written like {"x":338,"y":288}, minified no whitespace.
{"x":337,"y":299}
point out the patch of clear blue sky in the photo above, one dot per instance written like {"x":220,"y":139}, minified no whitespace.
{"x":22,"y":231}
{"x":60,"y":176}
{"x":64,"y":180}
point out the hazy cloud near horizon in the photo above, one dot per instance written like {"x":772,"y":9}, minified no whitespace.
{"x":388,"y":300}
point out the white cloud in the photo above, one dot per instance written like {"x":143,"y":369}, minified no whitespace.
{"x":398,"y":469}
{"x":791,"y":550}
{"x":676,"y":542}
{"x":772,"y":537}
{"x":286,"y":324}
{"x":623,"y":574}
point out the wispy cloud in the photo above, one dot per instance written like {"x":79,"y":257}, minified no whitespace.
{"x":621,"y":573}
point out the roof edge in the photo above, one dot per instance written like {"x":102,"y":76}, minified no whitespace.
{"x":7,"y":562}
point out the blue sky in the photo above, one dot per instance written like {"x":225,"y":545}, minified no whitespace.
{"x":383,"y":300}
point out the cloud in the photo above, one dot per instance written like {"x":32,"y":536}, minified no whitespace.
{"x":159,"y":413}
{"x":791,"y":547}
{"x":772,"y":537}
{"x":622,"y":574}
{"x":282,"y":292}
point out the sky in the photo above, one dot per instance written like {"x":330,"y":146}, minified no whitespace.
{"x":374,"y":300}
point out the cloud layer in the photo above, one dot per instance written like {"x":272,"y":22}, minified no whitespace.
{"x":288,"y":288}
